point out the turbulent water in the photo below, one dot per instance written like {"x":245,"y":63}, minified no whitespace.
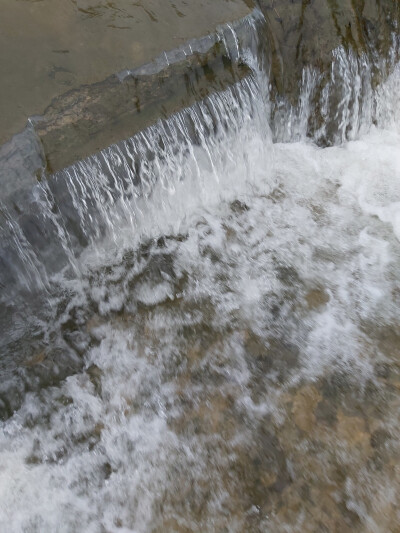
{"x":229,"y":301}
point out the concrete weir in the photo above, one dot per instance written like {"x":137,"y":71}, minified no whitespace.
{"x":49,"y":47}
{"x":94,"y":115}
{"x":98,"y":111}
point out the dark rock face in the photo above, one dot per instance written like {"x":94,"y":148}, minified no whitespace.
{"x":305,"y":32}
{"x":326,"y":58}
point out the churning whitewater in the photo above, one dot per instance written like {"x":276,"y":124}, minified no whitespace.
{"x":234,"y":320}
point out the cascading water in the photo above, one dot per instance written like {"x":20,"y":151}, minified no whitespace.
{"x":223,"y":295}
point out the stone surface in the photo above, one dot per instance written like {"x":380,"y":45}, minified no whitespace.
{"x":86,"y":120}
{"x":48,"y":47}
{"x":90,"y":96}
{"x":304,"y":33}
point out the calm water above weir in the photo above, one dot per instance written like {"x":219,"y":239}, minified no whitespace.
{"x":229,"y":300}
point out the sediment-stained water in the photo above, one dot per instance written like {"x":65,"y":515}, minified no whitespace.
{"x":233,"y":314}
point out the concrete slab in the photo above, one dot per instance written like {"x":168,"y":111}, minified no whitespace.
{"x":48,"y":47}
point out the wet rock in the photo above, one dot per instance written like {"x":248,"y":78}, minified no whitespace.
{"x":287,"y":275}
{"x":239,"y":207}
{"x":305,"y":33}
{"x":92,"y":326}
{"x":325,"y":412}
{"x":382,"y":370}
{"x":382,"y":450}
{"x":261,"y":470}
{"x":335,"y":386}
{"x":352,"y":430}
{"x":302,"y":41}
{"x":95,"y":373}
{"x":37,"y":359}
{"x":214,"y":415}
{"x":389,"y":342}
{"x":379,"y":438}
{"x":316,"y":298}
{"x":272,"y":359}
{"x":303,"y":410}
